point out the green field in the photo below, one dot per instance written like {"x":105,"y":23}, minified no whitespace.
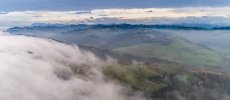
{"x":175,"y":51}
{"x":134,"y":75}
{"x":225,"y":53}
{"x":226,"y":97}
{"x":126,"y":75}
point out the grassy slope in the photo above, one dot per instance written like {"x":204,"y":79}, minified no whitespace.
{"x":174,"y":69}
{"x":175,"y":51}
{"x":226,"y":97}
{"x":224,"y":52}
{"x":127,"y":74}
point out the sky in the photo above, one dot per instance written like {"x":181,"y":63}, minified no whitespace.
{"x":26,"y":12}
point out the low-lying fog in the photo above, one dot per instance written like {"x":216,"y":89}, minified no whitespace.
{"x":215,"y":39}
{"x":33,"y":69}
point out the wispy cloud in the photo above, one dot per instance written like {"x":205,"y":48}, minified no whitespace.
{"x":83,"y":12}
{"x":153,"y":15}
{"x":70,"y":5}
{"x":3,"y":12}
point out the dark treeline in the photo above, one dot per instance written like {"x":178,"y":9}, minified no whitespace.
{"x":218,"y":82}
{"x":211,"y":87}
{"x":122,"y":26}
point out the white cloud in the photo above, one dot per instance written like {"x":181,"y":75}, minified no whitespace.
{"x":66,"y":5}
{"x":30,"y":66}
{"x":122,"y":14}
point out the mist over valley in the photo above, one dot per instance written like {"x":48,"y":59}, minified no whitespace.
{"x":114,"y":50}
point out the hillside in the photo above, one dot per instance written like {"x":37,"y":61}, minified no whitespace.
{"x":160,"y":81}
{"x":154,"y":62}
{"x":120,"y":57}
{"x":146,"y":77}
{"x":138,"y":40}
{"x":177,"y":49}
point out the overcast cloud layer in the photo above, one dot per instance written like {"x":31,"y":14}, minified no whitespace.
{"x":67,"y":5}
{"x":26,"y":12}
{"x":31,"y":69}
{"x":207,"y":15}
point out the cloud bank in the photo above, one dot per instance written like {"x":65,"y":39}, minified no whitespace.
{"x":66,"y":5}
{"x":35,"y":69}
{"x":208,"y":15}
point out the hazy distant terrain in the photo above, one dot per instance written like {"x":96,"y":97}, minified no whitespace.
{"x":115,"y":50}
{"x":140,"y":40}
{"x":162,"y":62}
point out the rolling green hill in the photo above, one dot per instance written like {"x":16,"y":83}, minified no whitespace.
{"x":167,"y":62}
{"x":178,"y":50}
{"x":138,"y":76}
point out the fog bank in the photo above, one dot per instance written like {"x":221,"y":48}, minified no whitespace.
{"x":33,"y":69}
